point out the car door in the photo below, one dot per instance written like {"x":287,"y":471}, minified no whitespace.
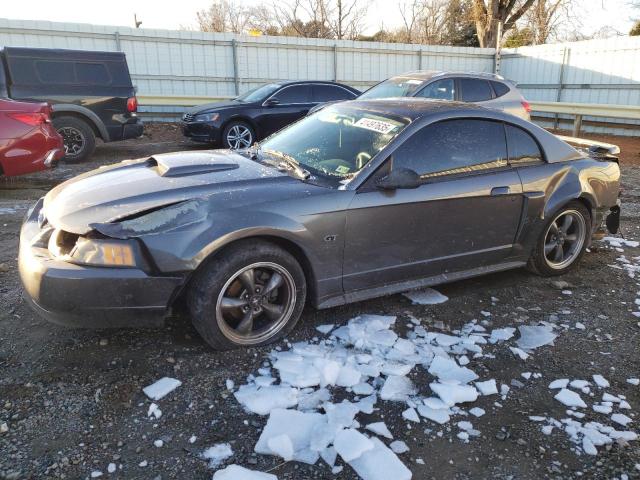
{"x":284,"y":107}
{"x":464,"y":215}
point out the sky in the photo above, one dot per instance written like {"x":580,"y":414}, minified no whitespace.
{"x":170,"y":14}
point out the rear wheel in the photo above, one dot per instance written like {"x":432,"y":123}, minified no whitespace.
{"x":79,"y":139}
{"x":251,"y":295}
{"x":563,"y":241}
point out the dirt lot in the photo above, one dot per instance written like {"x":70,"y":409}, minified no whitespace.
{"x":72,"y":400}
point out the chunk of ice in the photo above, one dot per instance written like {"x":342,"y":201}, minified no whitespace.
{"x":398,"y":446}
{"x":380,"y":463}
{"x":601,"y":381}
{"x":351,"y":444}
{"x":452,"y":393}
{"x":570,"y":398}
{"x":411,"y":415}
{"x":161,"y":388}
{"x":298,"y":426}
{"x":325,"y":328}
{"x":236,"y":472}
{"x":281,"y":445}
{"x":621,"y":418}
{"x":477,"y":411}
{"x":560,"y":383}
{"x":262,"y":400}
{"x":448,"y":369}
{"x":426,"y":296}
{"x":487,"y":387}
{"x":439,"y":415}
{"x":501,"y":334}
{"x":379,"y":428}
{"x":217,"y":454}
{"x":397,"y":388}
{"x":532,"y":337}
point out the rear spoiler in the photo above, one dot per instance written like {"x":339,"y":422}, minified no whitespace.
{"x":606,"y":151}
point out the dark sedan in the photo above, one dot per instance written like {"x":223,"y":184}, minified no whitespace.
{"x":259,"y":112}
{"x":362,"y":199}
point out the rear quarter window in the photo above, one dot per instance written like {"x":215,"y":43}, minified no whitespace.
{"x":522,"y":147}
{"x":500,"y":88}
{"x":328,"y":93}
{"x":475,"y":90}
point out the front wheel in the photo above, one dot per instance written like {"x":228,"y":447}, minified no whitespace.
{"x":563,"y":241}
{"x":238,"y":135}
{"x":252,"y":294}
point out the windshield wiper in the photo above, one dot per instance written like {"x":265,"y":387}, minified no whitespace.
{"x":288,"y":162}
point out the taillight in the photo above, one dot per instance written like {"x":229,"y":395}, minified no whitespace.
{"x":32,"y":119}
{"x":526,"y":106}
{"x":132,"y":104}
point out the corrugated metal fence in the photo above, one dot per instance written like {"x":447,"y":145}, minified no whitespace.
{"x":167,"y":62}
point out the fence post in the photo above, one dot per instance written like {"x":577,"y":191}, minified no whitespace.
{"x":420,"y":59}
{"x":577,"y":125}
{"x":335,"y":62}
{"x":236,"y":78}
{"x":116,"y":35}
{"x":565,"y":58}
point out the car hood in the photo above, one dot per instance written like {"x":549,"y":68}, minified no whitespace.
{"x":215,"y":106}
{"x":132,"y":187}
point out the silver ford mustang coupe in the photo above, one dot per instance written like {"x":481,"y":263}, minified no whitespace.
{"x":362,"y":199}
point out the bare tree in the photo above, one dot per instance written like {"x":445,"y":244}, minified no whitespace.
{"x":410,"y":12}
{"x":488,"y":14}
{"x":545,"y":17}
{"x":224,"y":16}
{"x":424,"y":21}
{"x":338,"y":19}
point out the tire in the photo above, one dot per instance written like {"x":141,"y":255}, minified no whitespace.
{"x":242,"y":131}
{"x":549,"y":260}
{"x":218,"y":297}
{"x":78,"y":136}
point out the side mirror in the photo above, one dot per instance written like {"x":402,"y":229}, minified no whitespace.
{"x":399,"y":178}
{"x":271,"y":102}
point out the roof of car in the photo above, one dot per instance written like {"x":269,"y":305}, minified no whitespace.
{"x":429,"y":74}
{"x":414,"y":108}
{"x":298,"y":82}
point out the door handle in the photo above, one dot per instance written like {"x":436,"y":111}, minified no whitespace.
{"x":500,"y":191}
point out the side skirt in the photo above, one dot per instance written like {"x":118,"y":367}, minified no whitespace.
{"x":400,"y":287}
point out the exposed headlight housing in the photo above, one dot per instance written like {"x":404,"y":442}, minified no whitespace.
{"x":92,"y":251}
{"x":206,"y":117}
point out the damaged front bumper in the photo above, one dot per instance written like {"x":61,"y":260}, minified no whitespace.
{"x":89,"y":296}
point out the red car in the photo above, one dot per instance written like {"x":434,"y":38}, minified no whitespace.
{"x":28,"y":141}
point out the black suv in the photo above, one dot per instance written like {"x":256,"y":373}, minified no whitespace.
{"x":90,"y":92}
{"x":259,"y":112}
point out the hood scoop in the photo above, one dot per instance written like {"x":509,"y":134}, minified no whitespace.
{"x":182,"y":164}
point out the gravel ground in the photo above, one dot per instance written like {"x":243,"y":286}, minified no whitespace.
{"x":72,"y":400}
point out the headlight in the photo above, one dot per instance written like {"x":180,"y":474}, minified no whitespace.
{"x":103,"y":252}
{"x":86,"y":251}
{"x":207,"y":117}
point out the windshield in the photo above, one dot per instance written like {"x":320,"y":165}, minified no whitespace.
{"x":258,"y":94}
{"x":336,"y":141}
{"x":394,"y":87}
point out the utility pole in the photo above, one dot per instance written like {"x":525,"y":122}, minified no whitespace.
{"x":496,"y":63}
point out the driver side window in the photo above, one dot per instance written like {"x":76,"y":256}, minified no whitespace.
{"x":454,"y":147}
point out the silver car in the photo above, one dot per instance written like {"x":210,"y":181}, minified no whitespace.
{"x":486,"y":89}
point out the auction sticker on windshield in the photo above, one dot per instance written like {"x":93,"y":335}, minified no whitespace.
{"x":375,"y":125}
